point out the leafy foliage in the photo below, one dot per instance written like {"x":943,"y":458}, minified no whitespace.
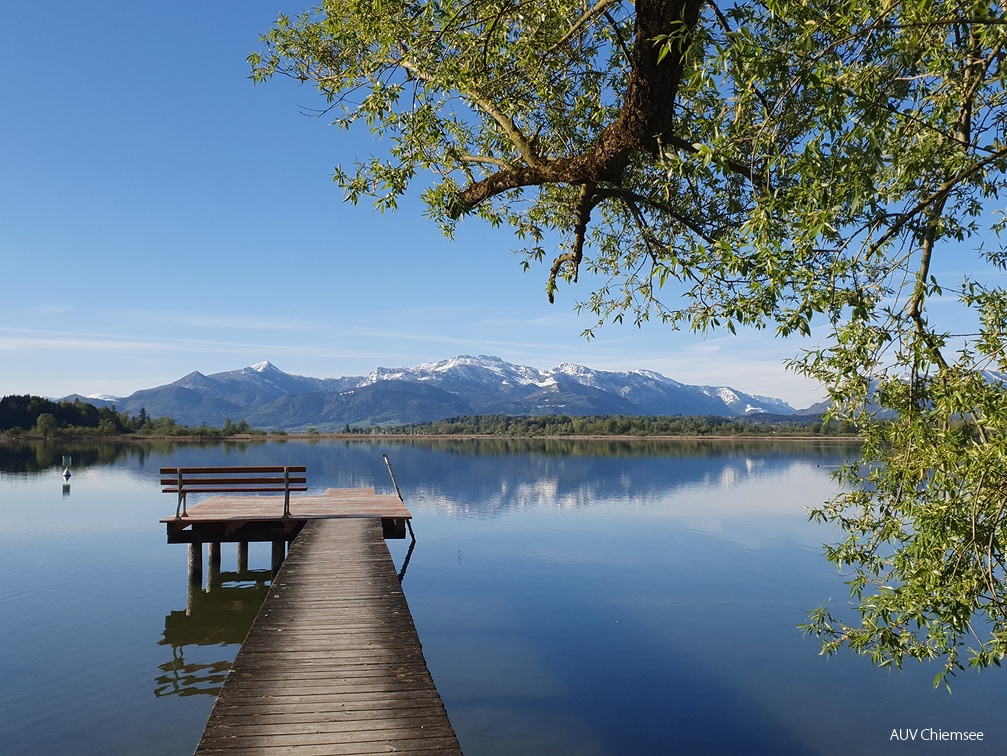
{"x":784,"y":163}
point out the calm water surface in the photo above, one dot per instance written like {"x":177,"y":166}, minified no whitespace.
{"x":571,"y":597}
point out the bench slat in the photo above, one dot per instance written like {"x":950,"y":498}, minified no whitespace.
{"x":218,"y":470}
{"x":300,"y":479}
{"x":220,"y":489}
{"x":272,"y":479}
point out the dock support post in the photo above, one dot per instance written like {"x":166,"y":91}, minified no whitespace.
{"x":279,"y":552}
{"x":213,"y":565}
{"x":196,"y":565}
{"x":243,"y":556}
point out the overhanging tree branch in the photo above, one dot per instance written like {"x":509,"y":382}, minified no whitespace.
{"x":646,"y":117}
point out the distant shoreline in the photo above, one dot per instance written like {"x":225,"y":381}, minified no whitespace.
{"x":260,"y":438}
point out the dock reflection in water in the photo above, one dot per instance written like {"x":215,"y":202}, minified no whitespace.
{"x":219,"y":617}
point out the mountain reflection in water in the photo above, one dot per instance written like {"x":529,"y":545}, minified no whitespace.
{"x":592,"y":597}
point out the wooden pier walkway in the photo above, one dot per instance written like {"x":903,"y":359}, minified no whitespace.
{"x":332,"y":663}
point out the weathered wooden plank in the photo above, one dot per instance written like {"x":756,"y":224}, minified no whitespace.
{"x":333,"y":673}
{"x":381,"y":686}
{"x":334,"y":502}
{"x":267,"y":669}
{"x":330,"y":699}
{"x":387,"y":737}
{"x":234,"y":468}
{"x":421,"y":747}
{"x":332,"y":663}
{"x":340,"y":708}
{"x":360,"y":727}
{"x":254,"y":517}
{"x":235,"y":480}
{"x":383,"y":655}
{"x":324,"y":705}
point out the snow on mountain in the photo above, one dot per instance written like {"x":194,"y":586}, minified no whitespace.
{"x":480,"y":374}
{"x":433,"y":391}
{"x":476,"y":371}
{"x":747,"y":404}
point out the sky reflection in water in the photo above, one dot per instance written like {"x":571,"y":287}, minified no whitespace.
{"x":572,"y":598}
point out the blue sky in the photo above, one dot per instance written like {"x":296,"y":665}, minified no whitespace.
{"x":160,"y":214}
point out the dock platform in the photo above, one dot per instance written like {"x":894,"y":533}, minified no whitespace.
{"x":245,"y":518}
{"x":332,"y":663}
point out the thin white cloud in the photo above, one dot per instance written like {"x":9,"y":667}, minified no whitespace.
{"x":46,"y":342}
{"x":224,"y":322}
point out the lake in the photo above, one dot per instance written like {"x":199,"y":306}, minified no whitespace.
{"x":572,"y":597}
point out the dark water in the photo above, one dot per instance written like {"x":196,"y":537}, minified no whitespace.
{"x":571,"y":597}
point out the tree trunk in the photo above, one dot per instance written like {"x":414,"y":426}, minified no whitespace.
{"x":646,"y":118}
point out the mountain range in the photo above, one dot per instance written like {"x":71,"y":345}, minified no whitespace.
{"x":270,"y":399}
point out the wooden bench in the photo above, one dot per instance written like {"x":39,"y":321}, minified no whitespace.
{"x":247,"y":480}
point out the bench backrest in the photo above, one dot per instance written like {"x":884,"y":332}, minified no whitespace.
{"x":274,"y":479}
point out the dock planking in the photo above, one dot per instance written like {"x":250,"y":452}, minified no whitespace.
{"x":333,"y":502}
{"x":332,"y":663}
{"x":261,"y":518}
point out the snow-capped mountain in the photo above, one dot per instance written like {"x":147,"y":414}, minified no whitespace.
{"x":269,"y":398}
{"x":743,"y":404}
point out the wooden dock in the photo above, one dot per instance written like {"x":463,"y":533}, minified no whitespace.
{"x":249,"y":518}
{"x":261,"y":518}
{"x":332,"y":663}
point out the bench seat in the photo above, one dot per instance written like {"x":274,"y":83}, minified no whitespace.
{"x":278,"y":479}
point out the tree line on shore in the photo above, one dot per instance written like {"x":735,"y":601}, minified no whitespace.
{"x":26,"y":415}
{"x":620,"y":425}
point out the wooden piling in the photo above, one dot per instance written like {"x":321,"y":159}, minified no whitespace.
{"x":196,"y":564}
{"x":213,"y":566}
{"x":279,"y":551}
{"x":243,"y":556}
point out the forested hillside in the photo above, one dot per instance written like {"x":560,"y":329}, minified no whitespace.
{"x":40,"y":416}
